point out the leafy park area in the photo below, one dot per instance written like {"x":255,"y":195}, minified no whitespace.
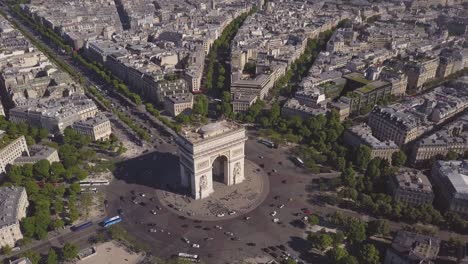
{"x":363,"y":187}
{"x":68,"y":252}
{"x":53,"y":188}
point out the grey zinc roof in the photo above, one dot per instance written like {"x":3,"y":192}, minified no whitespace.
{"x":9,"y":199}
{"x":457,"y":174}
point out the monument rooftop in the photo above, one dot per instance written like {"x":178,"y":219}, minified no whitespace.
{"x":213,"y":130}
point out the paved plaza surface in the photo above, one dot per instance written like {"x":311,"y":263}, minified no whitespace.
{"x":237,"y":199}
{"x":112,"y":253}
{"x":243,"y":236}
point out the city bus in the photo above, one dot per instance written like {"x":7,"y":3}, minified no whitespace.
{"x":112,"y":221}
{"x":81,"y":226}
{"x":86,"y":183}
{"x":189,"y":257}
{"x":268,"y":143}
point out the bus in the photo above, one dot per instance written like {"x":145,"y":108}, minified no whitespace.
{"x":81,"y":226}
{"x":268,"y":143}
{"x":86,"y":183}
{"x":112,"y":221}
{"x":189,"y":257}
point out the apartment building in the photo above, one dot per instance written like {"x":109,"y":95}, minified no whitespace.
{"x":13,"y":205}
{"x":451,"y":179}
{"x":11,"y":150}
{"x":97,"y":127}
{"x":178,"y":103}
{"x":408,"y":248}
{"x":362,"y":135}
{"x":411,"y":187}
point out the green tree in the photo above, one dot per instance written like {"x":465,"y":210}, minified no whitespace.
{"x":451,"y":155}
{"x":41,"y":169}
{"x":320,"y":241}
{"x":379,"y":227}
{"x":69,"y":251}
{"x":369,"y":254}
{"x":6,"y":250}
{"x":313,"y":220}
{"x":356,"y":231}
{"x":363,"y":156}
{"x":201,"y":105}
{"x":336,"y":254}
{"x":74,"y":188}
{"x":349,"y":259}
{"x":57,"y":171}
{"x":348,"y":177}
{"x":33,"y":256}
{"x":52,"y":257}
{"x":398,"y":158}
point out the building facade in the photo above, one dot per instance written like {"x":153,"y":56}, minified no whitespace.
{"x":451,"y":179}
{"x":12,"y":151}
{"x":411,"y":187}
{"x":362,"y":135}
{"x":13,"y":205}
{"x":409,"y":248}
{"x":178,"y":103}
{"x":97,"y":127}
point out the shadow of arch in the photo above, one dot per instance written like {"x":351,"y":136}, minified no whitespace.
{"x":159,"y":170}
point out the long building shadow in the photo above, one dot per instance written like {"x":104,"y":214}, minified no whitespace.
{"x":159,"y":170}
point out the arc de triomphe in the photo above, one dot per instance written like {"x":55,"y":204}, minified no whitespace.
{"x":212,"y":151}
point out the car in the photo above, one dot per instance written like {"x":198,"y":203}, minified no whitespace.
{"x":282,"y":247}
{"x":276,"y":220}
{"x":274,"y":170}
{"x":15,"y":249}
{"x":220,"y":215}
{"x":208,"y":238}
{"x":307,"y":212}
{"x":273,"y":213}
{"x":229,"y":233}
{"x":158,"y":207}
{"x":247,"y":218}
{"x":280,"y":206}
{"x":232,"y":213}
{"x":276,"y":197}
{"x":261,"y":157}
{"x":235,"y":239}
{"x":153,"y":212}
{"x":120,"y":212}
{"x":219,"y":227}
{"x":186,"y":240}
{"x":153,"y":230}
{"x":142,"y":203}
{"x":195,"y":245}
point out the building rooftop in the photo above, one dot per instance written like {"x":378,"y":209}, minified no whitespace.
{"x":180,"y":98}
{"x":415,"y":247}
{"x":364,"y":132}
{"x":9,"y":199}
{"x":412,"y":180}
{"x":456,"y":173}
{"x":212,"y":130}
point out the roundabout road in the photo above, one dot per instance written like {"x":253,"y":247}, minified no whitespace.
{"x":239,"y":238}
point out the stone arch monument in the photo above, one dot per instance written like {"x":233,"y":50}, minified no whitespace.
{"x":214,"y":151}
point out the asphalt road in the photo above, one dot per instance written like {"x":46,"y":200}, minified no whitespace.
{"x":159,"y":170}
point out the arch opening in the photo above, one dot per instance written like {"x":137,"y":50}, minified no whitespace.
{"x":220,"y":169}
